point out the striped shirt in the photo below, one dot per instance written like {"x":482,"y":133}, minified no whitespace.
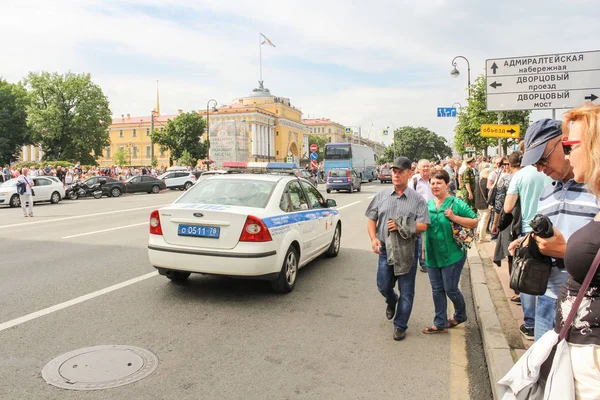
{"x":388,"y":204}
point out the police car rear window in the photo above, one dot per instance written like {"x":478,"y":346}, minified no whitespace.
{"x":229,"y":192}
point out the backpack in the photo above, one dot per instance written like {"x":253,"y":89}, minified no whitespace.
{"x":21,"y":187}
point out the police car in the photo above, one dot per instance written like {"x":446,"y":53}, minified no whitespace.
{"x":261,"y":226}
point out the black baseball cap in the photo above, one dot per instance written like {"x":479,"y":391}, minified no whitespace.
{"x":536,"y":137}
{"x":402,"y":163}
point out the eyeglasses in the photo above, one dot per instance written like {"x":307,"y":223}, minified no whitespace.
{"x":542,"y":162}
{"x":568,"y":145}
{"x":505,"y":164}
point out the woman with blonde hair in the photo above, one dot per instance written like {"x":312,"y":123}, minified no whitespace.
{"x":582,"y":148}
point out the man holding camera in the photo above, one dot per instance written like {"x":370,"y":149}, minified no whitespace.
{"x":567,"y":204}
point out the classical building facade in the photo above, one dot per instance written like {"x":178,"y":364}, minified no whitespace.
{"x":335,"y":132}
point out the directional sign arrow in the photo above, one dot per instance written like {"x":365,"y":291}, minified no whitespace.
{"x":495,"y":85}
{"x":592,"y":97}
{"x":511,"y":131}
{"x":494,"y":67}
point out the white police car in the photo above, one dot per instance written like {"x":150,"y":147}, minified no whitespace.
{"x":248,"y":225}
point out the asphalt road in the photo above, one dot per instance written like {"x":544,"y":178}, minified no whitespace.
{"x":215,"y":338}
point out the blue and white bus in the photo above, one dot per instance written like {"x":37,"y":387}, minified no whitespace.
{"x":362,"y":159}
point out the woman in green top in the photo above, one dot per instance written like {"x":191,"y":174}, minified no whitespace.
{"x":443,"y":257}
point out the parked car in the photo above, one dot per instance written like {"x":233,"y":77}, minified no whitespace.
{"x":385,"y":175}
{"x":260,"y":226}
{"x":343,"y":179}
{"x":144,"y":183}
{"x":178,"y":179}
{"x":45,"y":189}
{"x":308,"y":176}
{"x":112,"y":187}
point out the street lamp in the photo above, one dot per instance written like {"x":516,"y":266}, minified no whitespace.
{"x":456,"y":102}
{"x":454,"y":73}
{"x":214,"y":109}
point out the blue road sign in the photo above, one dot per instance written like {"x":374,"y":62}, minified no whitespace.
{"x":446,"y":112}
{"x":314,"y":156}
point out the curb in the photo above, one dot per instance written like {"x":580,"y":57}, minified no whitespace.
{"x":497,"y":352}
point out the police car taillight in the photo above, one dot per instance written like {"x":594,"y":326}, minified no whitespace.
{"x":155,"y":228}
{"x":255,"y":230}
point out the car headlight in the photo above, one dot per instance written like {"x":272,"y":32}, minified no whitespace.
{"x":3,"y":193}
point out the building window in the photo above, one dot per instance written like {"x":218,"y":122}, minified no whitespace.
{"x":147,"y":131}
{"x":121,"y":147}
{"x":277,"y":152}
{"x":329,"y":130}
{"x":134,"y":134}
{"x":135,"y":151}
{"x":121,"y":133}
{"x":148,"y":151}
{"x":107,"y":152}
{"x":329,"y":139}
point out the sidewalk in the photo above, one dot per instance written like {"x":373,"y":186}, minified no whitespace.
{"x":498,"y":317}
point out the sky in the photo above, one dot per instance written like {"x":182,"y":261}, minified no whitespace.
{"x":370,"y":64}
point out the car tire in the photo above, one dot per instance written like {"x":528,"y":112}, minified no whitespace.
{"x":358,"y":190}
{"x":155,"y":189}
{"x":187,"y":185}
{"x":55,"y":198}
{"x":97,"y":195}
{"x":115,"y":192}
{"x":177,"y":276}
{"x":334,"y":247}
{"x":15,"y":201}
{"x":352,"y":188}
{"x":286,"y":281}
{"x":328,"y":190}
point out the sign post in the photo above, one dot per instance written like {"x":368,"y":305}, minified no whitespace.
{"x":542,"y":82}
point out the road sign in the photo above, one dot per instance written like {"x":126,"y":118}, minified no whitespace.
{"x":289,"y":160}
{"x":500,"y":131}
{"x":313,"y":164}
{"x":348,"y":131}
{"x":446,"y":112}
{"x":314,"y":148}
{"x":385,"y":132}
{"x":542,"y":82}
{"x":314,"y":156}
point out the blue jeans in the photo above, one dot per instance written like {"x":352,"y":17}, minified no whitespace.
{"x":419,"y":250}
{"x":546,"y":304}
{"x":386,"y":281}
{"x":444,"y":282}
{"x":528,"y":304}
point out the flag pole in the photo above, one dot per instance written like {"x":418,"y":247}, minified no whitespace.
{"x":260,"y":55}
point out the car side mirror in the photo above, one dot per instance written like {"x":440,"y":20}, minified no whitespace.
{"x":330,"y":203}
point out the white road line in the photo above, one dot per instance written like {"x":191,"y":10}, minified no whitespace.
{"x":370,"y":197}
{"x":81,"y":216}
{"x":104,"y":230}
{"x":69,"y":303}
{"x":348,"y":205}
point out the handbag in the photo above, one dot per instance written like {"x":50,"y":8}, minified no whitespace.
{"x":531,"y":269}
{"x":526,"y":380}
{"x":463,"y":237}
{"x":491,"y":199}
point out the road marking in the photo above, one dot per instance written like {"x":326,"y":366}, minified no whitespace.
{"x":104,"y":230}
{"x":348,"y":205}
{"x":370,"y":197}
{"x":69,"y":303}
{"x":81,"y":216}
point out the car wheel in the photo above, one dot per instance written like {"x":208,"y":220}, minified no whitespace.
{"x":351,"y":188}
{"x":155,"y":189}
{"x":358,"y":190}
{"x":177,"y":276}
{"x":287,"y":277}
{"x":187,"y":185}
{"x":97,"y":194}
{"x":115,"y":192}
{"x":15,"y":201}
{"x":328,"y":190}
{"x":55,"y":198}
{"x":334,"y":247}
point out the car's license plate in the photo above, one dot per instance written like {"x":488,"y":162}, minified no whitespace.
{"x":338,"y":180}
{"x":199,"y":231}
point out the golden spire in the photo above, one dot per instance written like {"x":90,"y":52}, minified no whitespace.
{"x":157,"y":100}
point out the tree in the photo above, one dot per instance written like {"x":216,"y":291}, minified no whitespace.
{"x":13,"y":121}
{"x":471,"y":117}
{"x":69,"y":116}
{"x":186,"y":159}
{"x":320,"y":141}
{"x":154,"y":162}
{"x":416,"y":143}
{"x":184,"y":132}
{"x":120,"y":157}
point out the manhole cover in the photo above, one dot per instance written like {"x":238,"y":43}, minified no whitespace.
{"x":100,"y":367}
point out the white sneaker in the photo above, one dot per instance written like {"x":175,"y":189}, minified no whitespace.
{"x":31,"y":215}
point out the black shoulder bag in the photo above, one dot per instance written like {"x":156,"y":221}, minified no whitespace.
{"x":531,"y":269}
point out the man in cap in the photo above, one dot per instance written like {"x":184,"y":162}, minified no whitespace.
{"x":565,"y":202}
{"x":386,"y":206}
{"x":468,"y":182}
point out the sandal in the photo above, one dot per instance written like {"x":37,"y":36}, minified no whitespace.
{"x":434,"y":329}
{"x":453,"y":322}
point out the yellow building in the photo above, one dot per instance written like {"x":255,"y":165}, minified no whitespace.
{"x":336,"y":133}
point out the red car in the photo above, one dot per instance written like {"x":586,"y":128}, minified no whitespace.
{"x":385,"y":175}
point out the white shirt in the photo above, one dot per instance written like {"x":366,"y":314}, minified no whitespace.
{"x":29,"y":182}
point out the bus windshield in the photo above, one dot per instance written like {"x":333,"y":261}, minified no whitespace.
{"x":337,"y":152}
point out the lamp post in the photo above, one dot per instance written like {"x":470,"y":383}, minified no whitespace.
{"x":456,"y":102}
{"x":454,"y":73}
{"x":208,"y":128}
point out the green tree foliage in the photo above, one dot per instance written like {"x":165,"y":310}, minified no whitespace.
{"x":471,"y":117}
{"x":184,"y":132}
{"x":320,"y":141}
{"x":186,"y":160}
{"x":417,"y":143}
{"x":120,"y":157}
{"x":69,"y":115}
{"x":154,"y":162}
{"x":13,"y":121}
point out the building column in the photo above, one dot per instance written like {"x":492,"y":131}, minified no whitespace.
{"x":254,"y":139}
{"x":41,"y":153}
{"x":25,"y":153}
{"x":32,"y":152}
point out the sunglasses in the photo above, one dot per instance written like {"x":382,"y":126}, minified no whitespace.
{"x":505,"y":164}
{"x":544,"y":160}
{"x":568,"y":145}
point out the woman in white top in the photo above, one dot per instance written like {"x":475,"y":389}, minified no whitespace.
{"x":69,"y":177}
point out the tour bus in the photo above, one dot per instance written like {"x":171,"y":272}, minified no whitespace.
{"x":362,"y":159}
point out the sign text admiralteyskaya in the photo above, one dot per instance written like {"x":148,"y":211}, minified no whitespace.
{"x":542,"y":82}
